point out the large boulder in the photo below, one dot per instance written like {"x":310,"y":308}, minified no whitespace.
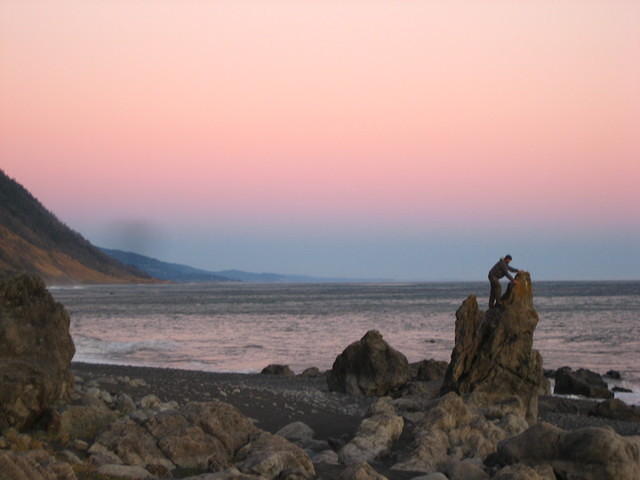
{"x":581,"y":382}
{"x":586,"y":453}
{"x":369,"y":367}
{"x":35,"y":351}
{"x":493,"y":359}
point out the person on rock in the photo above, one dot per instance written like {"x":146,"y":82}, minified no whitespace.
{"x":499,"y":270}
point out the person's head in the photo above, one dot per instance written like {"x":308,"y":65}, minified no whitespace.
{"x":507,"y":258}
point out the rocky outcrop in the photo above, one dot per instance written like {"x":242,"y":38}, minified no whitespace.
{"x":428,"y":370}
{"x":277,"y":369}
{"x":453,"y":431}
{"x":375,"y":436}
{"x":201,"y":436}
{"x":35,"y":351}
{"x":581,"y":382}
{"x":369,"y":367}
{"x":586,"y":453}
{"x":493,"y":359}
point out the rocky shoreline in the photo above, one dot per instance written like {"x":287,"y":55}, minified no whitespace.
{"x":488,"y":414}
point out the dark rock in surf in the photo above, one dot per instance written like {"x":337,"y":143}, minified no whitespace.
{"x":276,"y":369}
{"x":369,"y":367}
{"x":493,"y":359}
{"x":621,"y":390}
{"x":35,"y":351}
{"x":613,"y":374}
{"x":581,"y":382}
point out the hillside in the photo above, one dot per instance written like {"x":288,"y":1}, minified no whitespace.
{"x":32,"y":239}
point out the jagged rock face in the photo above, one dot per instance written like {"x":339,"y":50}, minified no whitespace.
{"x":35,"y":351}
{"x":453,"y":430}
{"x":369,"y":367}
{"x":493,"y":359}
{"x":586,"y":453}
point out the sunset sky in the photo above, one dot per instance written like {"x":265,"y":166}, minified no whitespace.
{"x":386,"y":139}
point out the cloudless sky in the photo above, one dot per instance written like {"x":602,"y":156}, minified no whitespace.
{"x":405,"y":140}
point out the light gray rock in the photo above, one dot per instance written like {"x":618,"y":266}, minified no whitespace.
{"x":125,"y":403}
{"x":70,"y":457}
{"x":361,"y":471}
{"x":272,"y":456}
{"x":375,"y":436}
{"x":297,"y":432}
{"x":520,"y":471}
{"x":464,"y":470}
{"x":432,"y":476}
{"x":326,"y":456}
{"x":150,"y":401}
{"x":228,"y":474}
{"x":125,"y":471}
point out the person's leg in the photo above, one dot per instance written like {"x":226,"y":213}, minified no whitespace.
{"x":496,"y":292}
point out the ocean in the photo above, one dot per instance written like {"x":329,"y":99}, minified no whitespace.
{"x":235,"y":327}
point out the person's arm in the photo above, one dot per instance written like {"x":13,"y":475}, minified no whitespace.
{"x":515,"y":270}
{"x":509,"y":276}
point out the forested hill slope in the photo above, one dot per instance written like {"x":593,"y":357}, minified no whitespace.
{"x":32,"y":239}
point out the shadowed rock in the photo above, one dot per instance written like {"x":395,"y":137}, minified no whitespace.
{"x":586,"y":453}
{"x":493,"y":359}
{"x":369,"y":367}
{"x":35,"y":351}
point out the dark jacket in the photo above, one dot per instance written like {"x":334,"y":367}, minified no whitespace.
{"x":502,"y":269}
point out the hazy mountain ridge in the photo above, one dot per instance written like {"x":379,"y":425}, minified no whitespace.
{"x":32,"y":239}
{"x":176,"y":272}
{"x":173,"y":272}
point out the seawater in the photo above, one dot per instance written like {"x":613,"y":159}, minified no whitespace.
{"x":235,"y":327}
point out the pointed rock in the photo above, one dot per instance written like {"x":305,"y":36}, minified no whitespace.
{"x":493,"y":360}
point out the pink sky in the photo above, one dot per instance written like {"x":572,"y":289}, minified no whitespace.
{"x":305,"y":113}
